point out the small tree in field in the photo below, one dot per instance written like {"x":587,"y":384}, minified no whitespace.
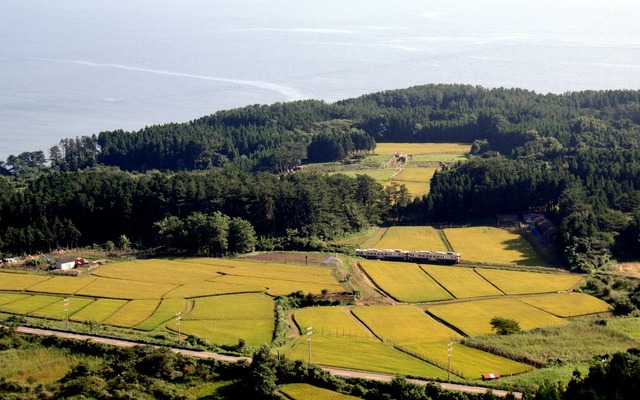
{"x":504,"y":326}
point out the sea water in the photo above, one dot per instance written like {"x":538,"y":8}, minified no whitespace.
{"x":78,"y":67}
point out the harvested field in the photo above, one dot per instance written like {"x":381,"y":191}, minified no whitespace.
{"x":404,"y":281}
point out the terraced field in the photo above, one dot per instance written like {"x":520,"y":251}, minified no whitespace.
{"x":411,"y":238}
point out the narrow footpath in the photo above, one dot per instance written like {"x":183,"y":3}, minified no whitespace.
{"x":221,"y":357}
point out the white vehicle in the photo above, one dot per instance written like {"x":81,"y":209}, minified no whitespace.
{"x":439,"y":257}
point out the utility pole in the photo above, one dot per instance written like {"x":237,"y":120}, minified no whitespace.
{"x":66,"y":312}
{"x":178,"y":319}
{"x":309,"y":333}
{"x":449,"y":348}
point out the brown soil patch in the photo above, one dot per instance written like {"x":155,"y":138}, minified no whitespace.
{"x":290,"y":258}
{"x":629,"y":268}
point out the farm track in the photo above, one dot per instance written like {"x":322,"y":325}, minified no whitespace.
{"x":221,"y":357}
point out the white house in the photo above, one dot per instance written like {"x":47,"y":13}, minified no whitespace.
{"x":66,"y":263}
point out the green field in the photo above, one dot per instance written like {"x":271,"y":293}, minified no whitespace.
{"x":303,"y":391}
{"x":29,"y":304}
{"x":6,"y":298}
{"x":473,"y":317}
{"x":523,"y":282}
{"x":166,"y":311}
{"x":484,"y":244}
{"x":17,"y":282}
{"x":411,"y":238}
{"x":56,"y":310}
{"x":461,"y":282}
{"x":404,"y":281}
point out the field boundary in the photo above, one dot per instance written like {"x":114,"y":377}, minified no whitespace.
{"x":444,"y":239}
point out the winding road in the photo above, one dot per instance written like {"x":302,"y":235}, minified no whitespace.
{"x":206,"y":354}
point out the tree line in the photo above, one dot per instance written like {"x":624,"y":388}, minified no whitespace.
{"x":572,"y":156}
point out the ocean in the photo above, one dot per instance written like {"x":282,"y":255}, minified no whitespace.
{"x":78,"y":67}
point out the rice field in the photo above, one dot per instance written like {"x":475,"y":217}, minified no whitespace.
{"x":18,"y":282}
{"x":66,"y":285}
{"x":99,"y":310}
{"x":404,"y":282}
{"x":524,"y":282}
{"x":403,"y":324}
{"x":567,"y":305}
{"x":157,"y":271}
{"x":56,"y":310}
{"x":380,"y":175}
{"x":124,"y":289}
{"x":29,"y":304}
{"x":166,"y":311}
{"x":466,"y":362}
{"x":411,"y":238}
{"x":304,"y":391}
{"x":361,"y":354}
{"x":254,"y":332}
{"x":473,"y":317}
{"x":491,"y":245}
{"x":413,"y":174}
{"x":330,"y":321}
{"x":418,"y":149}
{"x":11,"y":297}
{"x":275,"y":287}
{"x":203,"y":289}
{"x":239,"y":306}
{"x":461,"y":282}
{"x":415,"y":189}
{"x":132,"y":313}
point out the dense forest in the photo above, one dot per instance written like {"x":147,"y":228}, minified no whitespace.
{"x":574,"y":157}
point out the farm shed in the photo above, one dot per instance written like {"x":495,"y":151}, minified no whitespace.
{"x":70,"y":263}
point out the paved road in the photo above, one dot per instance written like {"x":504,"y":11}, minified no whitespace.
{"x":205,"y":354}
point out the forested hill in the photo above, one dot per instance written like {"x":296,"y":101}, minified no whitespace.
{"x":572,"y":156}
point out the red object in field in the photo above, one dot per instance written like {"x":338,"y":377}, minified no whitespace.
{"x":488,"y":377}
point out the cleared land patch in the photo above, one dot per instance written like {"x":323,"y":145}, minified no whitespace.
{"x":411,"y":238}
{"x":524,"y":282}
{"x":443,"y":150}
{"x":404,"y":281}
{"x":567,"y":304}
{"x":474,"y":317}
{"x":485,"y":244}
{"x":461,"y":282}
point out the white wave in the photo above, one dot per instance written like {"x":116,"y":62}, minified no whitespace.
{"x":287,"y":91}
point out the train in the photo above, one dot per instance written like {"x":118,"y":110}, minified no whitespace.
{"x":439,"y":257}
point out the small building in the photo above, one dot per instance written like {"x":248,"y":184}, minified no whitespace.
{"x":488,"y":377}
{"x":70,"y":263}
